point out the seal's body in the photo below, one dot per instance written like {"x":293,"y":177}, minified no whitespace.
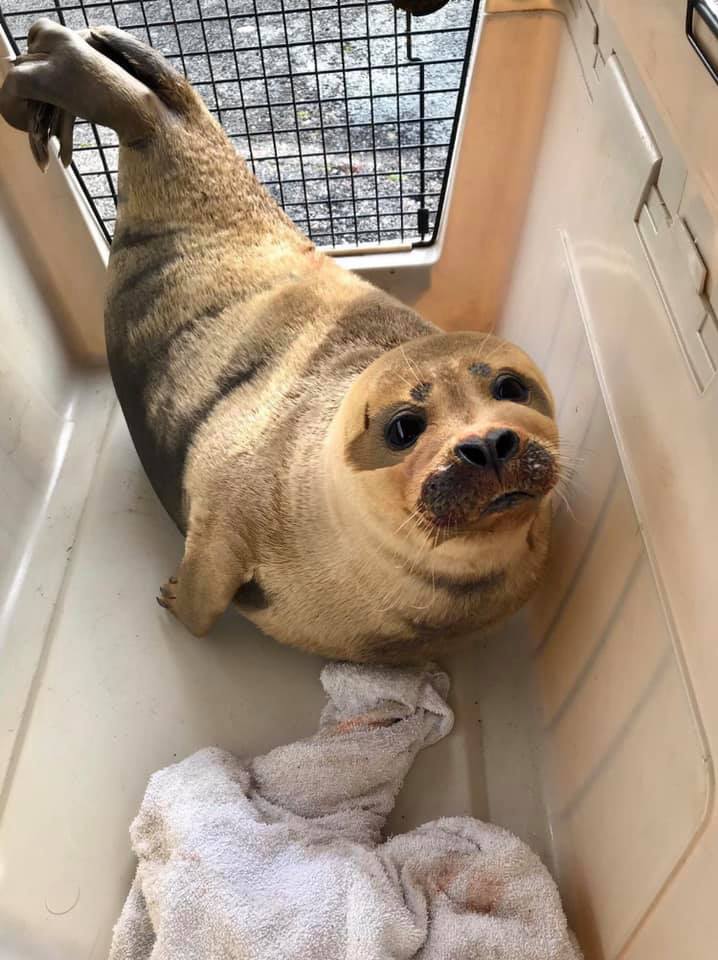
{"x":360,"y":484}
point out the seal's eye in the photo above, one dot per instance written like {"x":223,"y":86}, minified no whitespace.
{"x":509,"y":387}
{"x":403,"y":430}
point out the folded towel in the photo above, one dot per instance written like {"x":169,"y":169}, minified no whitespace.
{"x":281,"y":858}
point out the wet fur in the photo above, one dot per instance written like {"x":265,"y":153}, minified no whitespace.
{"x":236,"y":350}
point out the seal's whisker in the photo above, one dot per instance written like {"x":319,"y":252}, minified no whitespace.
{"x":572,"y":463}
{"x":567,"y":471}
{"x":412,"y":369}
{"x":411,"y":516}
{"x":488,"y":334}
{"x":433,"y":564}
{"x":566,"y":461}
{"x":571,"y":480}
{"x":561,"y":453}
{"x":565,"y":444}
{"x":565,"y":502}
{"x":568,"y":474}
{"x":423,"y":525}
{"x":486,"y":358}
{"x":420,"y":553}
{"x":568,"y":485}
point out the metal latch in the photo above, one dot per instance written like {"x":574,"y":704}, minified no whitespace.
{"x":681,"y":274}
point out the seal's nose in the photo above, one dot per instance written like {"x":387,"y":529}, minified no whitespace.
{"x":493,"y":450}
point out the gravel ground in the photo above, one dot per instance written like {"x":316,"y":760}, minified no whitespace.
{"x":327,"y":110}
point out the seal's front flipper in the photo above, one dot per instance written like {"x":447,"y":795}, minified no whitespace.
{"x":216,"y":563}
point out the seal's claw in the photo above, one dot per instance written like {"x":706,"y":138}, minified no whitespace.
{"x":43,"y":117}
{"x":168,"y":595}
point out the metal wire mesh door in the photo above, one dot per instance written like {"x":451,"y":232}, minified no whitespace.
{"x":346,"y":109}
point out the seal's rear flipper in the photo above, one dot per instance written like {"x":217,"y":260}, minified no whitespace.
{"x":102,"y":75}
{"x":145,"y":64}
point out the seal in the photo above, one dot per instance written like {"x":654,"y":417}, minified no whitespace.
{"x":360,"y":484}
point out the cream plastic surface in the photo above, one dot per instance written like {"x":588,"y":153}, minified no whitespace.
{"x":588,"y":724}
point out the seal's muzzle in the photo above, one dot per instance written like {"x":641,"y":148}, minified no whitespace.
{"x":487,"y":476}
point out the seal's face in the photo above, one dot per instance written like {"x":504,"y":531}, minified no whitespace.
{"x":454,"y":431}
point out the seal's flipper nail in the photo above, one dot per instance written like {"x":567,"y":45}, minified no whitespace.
{"x":63,"y":129}
{"x":42,"y":117}
{"x":39,"y":150}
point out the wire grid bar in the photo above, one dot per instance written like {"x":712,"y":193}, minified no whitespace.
{"x":345,"y":109}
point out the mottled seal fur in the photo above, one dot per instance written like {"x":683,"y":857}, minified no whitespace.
{"x":361,"y":484}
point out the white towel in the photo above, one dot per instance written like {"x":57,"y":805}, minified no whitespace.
{"x":281,"y":858}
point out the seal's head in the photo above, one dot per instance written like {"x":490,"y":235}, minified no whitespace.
{"x":454,"y":433}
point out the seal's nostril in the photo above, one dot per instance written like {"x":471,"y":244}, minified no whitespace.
{"x":475,"y":452}
{"x":504,"y":443}
{"x":493,"y":450}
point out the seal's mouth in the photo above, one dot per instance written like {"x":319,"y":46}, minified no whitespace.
{"x":507,"y":501}
{"x":458,"y":495}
